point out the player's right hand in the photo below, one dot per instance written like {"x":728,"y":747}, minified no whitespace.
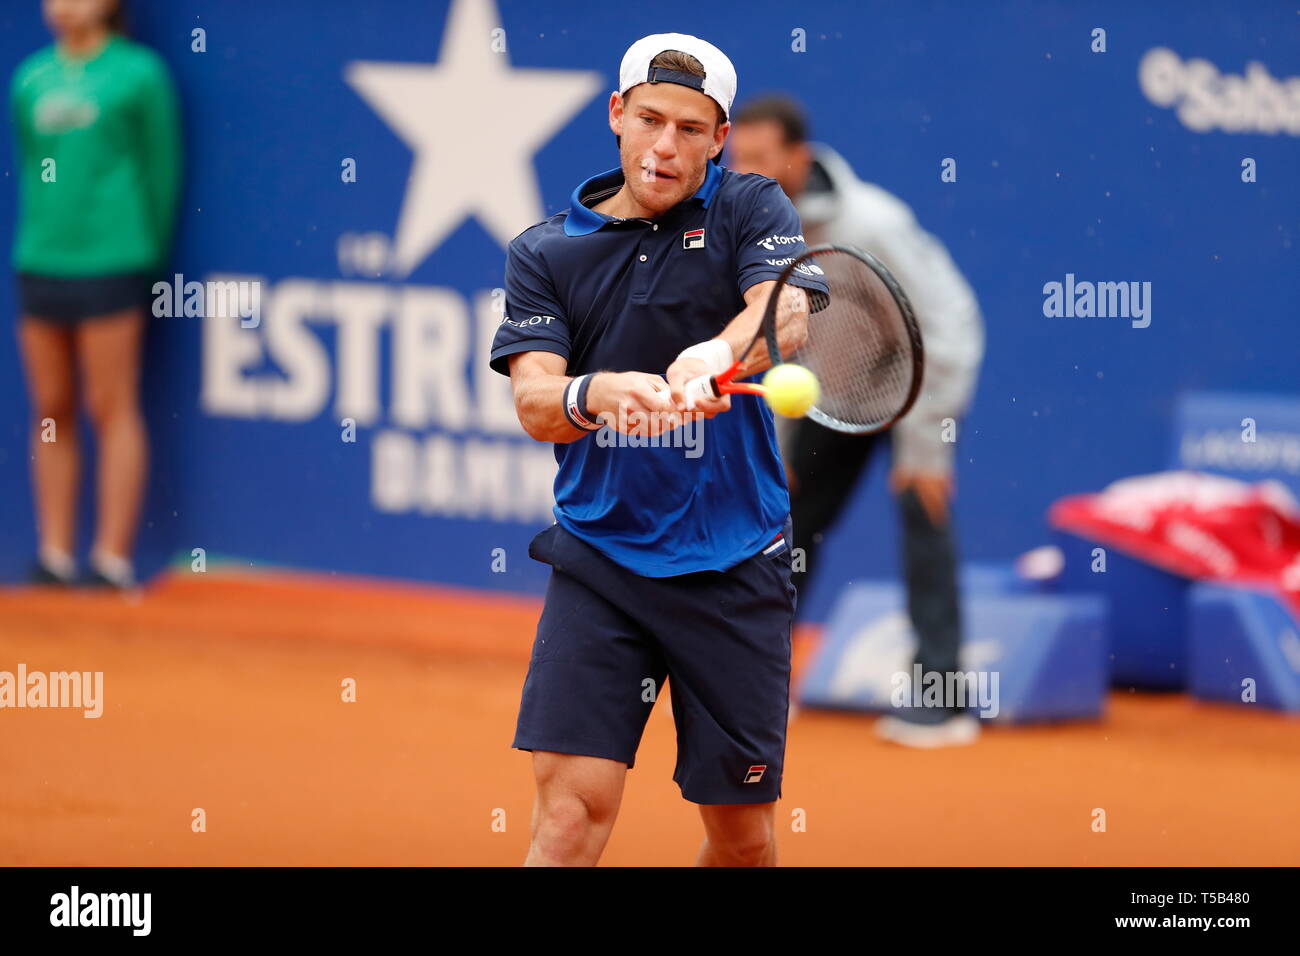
{"x":635,"y":403}
{"x":684,"y":370}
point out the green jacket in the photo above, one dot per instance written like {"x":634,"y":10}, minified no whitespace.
{"x":98,"y":152}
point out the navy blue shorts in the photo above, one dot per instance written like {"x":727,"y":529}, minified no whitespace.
{"x":67,"y":301}
{"x":608,"y":638}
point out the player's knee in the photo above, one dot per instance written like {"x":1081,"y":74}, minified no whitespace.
{"x":587,"y":804}
{"x":54,"y":404}
{"x":747,"y":848}
{"x":566,"y":823}
{"x":565,"y":819}
{"x":740,"y":836}
{"x":578,"y":786}
{"x":107,"y":405}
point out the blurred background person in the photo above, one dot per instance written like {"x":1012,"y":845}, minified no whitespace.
{"x":98,"y":159}
{"x":770,"y":137}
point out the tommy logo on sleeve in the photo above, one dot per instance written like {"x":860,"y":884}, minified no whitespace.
{"x":693,"y":239}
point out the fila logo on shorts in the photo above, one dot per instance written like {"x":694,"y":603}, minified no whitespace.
{"x":777,"y":544}
{"x":755,"y":773}
{"x":693,"y":239}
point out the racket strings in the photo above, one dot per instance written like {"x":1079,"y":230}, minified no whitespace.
{"x":858,"y":346}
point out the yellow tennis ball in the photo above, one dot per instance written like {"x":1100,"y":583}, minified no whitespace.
{"x":791,"y":390}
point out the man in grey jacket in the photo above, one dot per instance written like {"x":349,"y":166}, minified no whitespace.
{"x":769,"y":136}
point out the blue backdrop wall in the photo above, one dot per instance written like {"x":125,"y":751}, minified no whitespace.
{"x":377,"y":296}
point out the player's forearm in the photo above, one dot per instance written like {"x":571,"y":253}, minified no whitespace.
{"x":740,"y":331}
{"x":539,"y":403}
{"x":791,"y":331}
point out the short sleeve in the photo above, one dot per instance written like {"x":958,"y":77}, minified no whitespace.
{"x":770,"y":236}
{"x":534,"y":320}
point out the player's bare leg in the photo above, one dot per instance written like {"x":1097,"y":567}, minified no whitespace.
{"x":577,"y":802}
{"x":740,"y":834}
{"x":110,"y":350}
{"x":50,"y":360}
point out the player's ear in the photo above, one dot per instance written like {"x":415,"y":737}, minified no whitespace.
{"x":800,"y":163}
{"x":616,"y":113}
{"x":719,"y":139}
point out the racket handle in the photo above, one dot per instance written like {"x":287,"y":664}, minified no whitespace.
{"x":698,"y":389}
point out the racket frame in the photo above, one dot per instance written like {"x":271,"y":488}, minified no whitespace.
{"x":723,"y":383}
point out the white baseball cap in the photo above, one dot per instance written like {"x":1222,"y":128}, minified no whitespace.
{"x":718,"y":82}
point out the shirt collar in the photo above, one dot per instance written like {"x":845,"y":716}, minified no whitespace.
{"x":582,"y":220}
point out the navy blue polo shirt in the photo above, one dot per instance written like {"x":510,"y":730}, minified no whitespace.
{"x":620,"y":295}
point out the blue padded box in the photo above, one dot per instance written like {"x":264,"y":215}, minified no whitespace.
{"x":1148,"y":613}
{"x":1240,"y":634}
{"x":1047,"y":652}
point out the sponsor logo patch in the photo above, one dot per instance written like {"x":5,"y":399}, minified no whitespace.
{"x":771,"y":242}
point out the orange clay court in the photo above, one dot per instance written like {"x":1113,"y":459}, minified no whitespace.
{"x":224,"y":691}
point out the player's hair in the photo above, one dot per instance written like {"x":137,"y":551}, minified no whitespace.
{"x":116,"y":21}
{"x":683,"y":63}
{"x":781,"y":110}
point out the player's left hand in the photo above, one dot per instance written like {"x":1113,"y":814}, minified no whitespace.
{"x":933,"y":489}
{"x":681,"y":372}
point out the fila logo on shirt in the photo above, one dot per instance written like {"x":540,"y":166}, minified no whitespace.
{"x":693,"y":239}
{"x":755,"y":773}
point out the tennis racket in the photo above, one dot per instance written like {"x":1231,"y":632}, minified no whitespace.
{"x":863,"y":342}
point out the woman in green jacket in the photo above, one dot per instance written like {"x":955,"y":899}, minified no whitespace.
{"x":98,"y":149}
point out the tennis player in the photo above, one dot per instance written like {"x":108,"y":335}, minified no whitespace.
{"x":664,"y":565}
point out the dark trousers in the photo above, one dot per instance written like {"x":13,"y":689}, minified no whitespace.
{"x":825,"y":466}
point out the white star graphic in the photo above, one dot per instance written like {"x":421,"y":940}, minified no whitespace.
{"x":474,"y":124}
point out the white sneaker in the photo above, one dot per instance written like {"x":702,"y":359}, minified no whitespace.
{"x":111,"y":570}
{"x":953,"y":732}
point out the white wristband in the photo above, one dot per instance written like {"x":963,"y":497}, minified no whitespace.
{"x":575,"y":404}
{"x":715,"y":353}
